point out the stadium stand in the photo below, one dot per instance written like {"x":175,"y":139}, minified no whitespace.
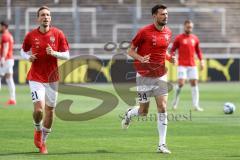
{"x":117,"y":20}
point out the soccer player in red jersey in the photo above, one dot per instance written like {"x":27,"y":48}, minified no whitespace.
{"x":7,"y":61}
{"x":187,"y":45}
{"x":149,"y":51}
{"x":42,"y":47}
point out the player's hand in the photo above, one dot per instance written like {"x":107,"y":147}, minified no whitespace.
{"x":49,"y":50}
{"x":33,"y":57}
{"x":173,"y":60}
{"x":202,"y":65}
{"x":145,"y":59}
{"x":2,"y":61}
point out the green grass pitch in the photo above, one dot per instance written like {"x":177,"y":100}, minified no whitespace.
{"x":209,"y":135}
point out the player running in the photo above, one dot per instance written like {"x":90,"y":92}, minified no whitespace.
{"x":187,"y":45}
{"x":7,"y":61}
{"x":149,"y":50}
{"x":42,"y":47}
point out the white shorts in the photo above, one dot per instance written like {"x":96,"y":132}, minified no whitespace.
{"x":7,"y":67}
{"x":148,"y":87}
{"x":46,"y":92}
{"x":187,"y":72}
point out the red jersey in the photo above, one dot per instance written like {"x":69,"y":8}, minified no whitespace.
{"x":150,"y":40}
{"x":7,"y":38}
{"x":187,"y":46}
{"x":45,"y":64}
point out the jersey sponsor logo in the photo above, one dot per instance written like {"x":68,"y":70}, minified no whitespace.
{"x":154,"y":40}
{"x":36,"y":42}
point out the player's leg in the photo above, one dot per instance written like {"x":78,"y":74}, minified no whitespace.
{"x":8,"y":67}
{"x":195,"y":94}
{"x":141,"y":110}
{"x":143,"y":91}
{"x":1,"y":76}
{"x":161,"y":96}
{"x":11,"y":88}
{"x":0,"y":82}
{"x":47,"y":125}
{"x":162,"y":123}
{"x":182,"y":75}
{"x":0,"y":79}
{"x":38,"y":115}
{"x":50,"y":104}
{"x":48,"y":121}
{"x":38,"y":98}
{"x":193,"y":78}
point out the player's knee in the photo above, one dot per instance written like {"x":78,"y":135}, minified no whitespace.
{"x":181,"y":84}
{"x":38,"y":110}
{"x":38,"y":107}
{"x":8,"y":76}
{"x":193,"y":83}
{"x":49,"y":110}
{"x":162,"y":107}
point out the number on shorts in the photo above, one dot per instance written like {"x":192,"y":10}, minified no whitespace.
{"x":34,"y":95}
{"x":142,"y":96}
{"x":180,"y":73}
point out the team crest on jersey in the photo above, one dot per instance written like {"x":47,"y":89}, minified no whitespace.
{"x":167,"y":37}
{"x":52,"y":39}
{"x":185,"y":41}
{"x":193,"y":42}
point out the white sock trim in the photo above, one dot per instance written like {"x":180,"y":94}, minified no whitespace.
{"x":46,"y":132}
{"x":38,"y":126}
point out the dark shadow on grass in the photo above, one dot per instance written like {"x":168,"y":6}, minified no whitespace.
{"x":69,"y":153}
{"x":233,"y":156}
{"x":97,"y":152}
{"x":54,"y":153}
{"x":83,"y":152}
{"x":17,"y":153}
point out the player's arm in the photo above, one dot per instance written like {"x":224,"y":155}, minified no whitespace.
{"x":26,"y":49}
{"x":137,"y":41}
{"x":175,"y":46}
{"x":5,"y":51}
{"x":63,"y":50}
{"x":200,"y":55}
{"x":60,"y":55}
{"x":28,"y":55}
{"x":171,"y":58}
{"x":132,"y":53}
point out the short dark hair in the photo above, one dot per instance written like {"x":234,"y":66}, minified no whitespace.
{"x":4,"y":23}
{"x":187,"y":21}
{"x":41,"y":8}
{"x":158,"y":6}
